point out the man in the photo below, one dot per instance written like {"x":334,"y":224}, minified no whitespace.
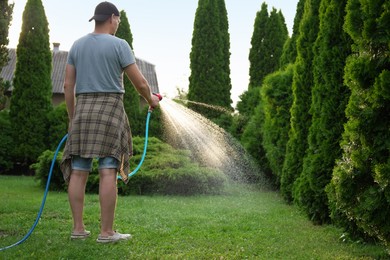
{"x":98,"y":125}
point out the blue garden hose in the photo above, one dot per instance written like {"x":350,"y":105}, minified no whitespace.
{"x":145,"y":147}
{"x":43,"y":200}
{"x":51,"y":171}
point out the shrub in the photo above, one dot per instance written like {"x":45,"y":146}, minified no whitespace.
{"x":42,"y":168}
{"x":359,"y":192}
{"x":165,"y":171}
{"x":58,"y":125}
{"x":170,"y":171}
{"x":6,"y":162}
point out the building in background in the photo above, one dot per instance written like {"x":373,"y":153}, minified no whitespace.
{"x":59,"y":59}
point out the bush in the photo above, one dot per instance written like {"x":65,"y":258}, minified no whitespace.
{"x":58,"y":125}
{"x":169,"y":171}
{"x":42,"y":168}
{"x":165,"y":171}
{"x":6,"y":162}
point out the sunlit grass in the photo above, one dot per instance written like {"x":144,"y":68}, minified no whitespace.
{"x":242,"y":224}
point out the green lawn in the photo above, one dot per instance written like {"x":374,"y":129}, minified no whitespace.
{"x":242,"y":224}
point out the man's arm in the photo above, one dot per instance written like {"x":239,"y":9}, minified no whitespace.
{"x":141,"y":84}
{"x":69,"y":91}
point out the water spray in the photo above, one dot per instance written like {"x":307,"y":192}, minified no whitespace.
{"x":51,"y":171}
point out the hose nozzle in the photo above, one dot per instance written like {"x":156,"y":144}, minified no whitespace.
{"x":158,"y":95}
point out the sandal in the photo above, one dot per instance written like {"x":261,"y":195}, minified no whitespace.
{"x":80,"y":235}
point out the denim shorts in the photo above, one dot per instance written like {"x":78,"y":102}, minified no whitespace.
{"x":85,"y":164}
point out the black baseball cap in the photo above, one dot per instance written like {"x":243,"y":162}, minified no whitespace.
{"x":103,"y":11}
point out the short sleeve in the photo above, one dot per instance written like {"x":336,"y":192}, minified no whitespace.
{"x":126,"y":56}
{"x":71,"y":60}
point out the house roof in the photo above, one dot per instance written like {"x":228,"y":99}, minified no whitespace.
{"x":58,"y":70}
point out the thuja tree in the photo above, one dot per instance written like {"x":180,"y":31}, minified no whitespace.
{"x":226,"y":86}
{"x":32,"y":88}
{"x":209,"y":81}
{"x":268,"y":38}
{"x":5,"y":20}
{"x":329,"y":100}
{"x":276,"y":97}
{"x":131,"y":97}
{"x":276,"y":35}
{"x":269,"y":35}
{"x":250,"y":98}
{"x":289,"y":53}
{"x":301,"y":88}
{"x":359,"y":192}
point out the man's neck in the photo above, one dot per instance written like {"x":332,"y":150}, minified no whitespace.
{"x":102,"y":30}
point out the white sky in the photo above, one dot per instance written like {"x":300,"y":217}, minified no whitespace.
{"x":162,"y":33}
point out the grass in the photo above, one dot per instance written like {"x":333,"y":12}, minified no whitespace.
{"x":242,"y":224}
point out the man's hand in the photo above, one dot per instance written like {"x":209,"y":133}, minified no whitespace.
{"x":155,"y":101}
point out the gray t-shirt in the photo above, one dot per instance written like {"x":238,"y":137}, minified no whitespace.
{"x":99,"y":60}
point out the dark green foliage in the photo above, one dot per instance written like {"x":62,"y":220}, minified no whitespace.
{"x":329,"y":99}
{"x":257,"y":58}
{"x":124,"y":31}
{"x":359,"y":192}
{"x":226,"y":85}
{"x":42,"y":169}
{"x":5,"y":20}
{"x":248,"y":102}
{"x":246,"y":106}
{"x":277,"y":100}
{"x":277,"y":35}
{"x":58,"y":125}
{"x":209,"y":81}
{"x":237,"y":127}
{"x":31,"y":96}
{"x":155,"y":126}
{"x":164,"y":171}
{"x":268,"y":39}
{"x":289,"y":53}
{"x":301,"y":88}
{"x":6,"y":10}
{"x":169,"y":171}
{"x":131,"y":99}
{"x":6,"y":162}
{"x":4,"y":86}
{"x":252,"y":140}
{"x":258,"y":54}
{"x":269,"y":35}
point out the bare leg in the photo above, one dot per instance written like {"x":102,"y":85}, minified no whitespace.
{"x":107,"y":196}
{"x":76,"y":194}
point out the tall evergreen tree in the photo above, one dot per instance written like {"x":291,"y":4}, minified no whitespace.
{"x":269,"y":35}
{"x":302,"y":85}
{"x":276,"y":97}
{"x":289,"y":53}
{"x":32,"y":87}
{"x":5,"y":20}
{"x":131,"y":98}
{"x":209,"y":81}
{"x":271,"y":50}
{"x":225,"y":97}
{"x":329,"y":100}
{"x":359,"y":193}
{"x":250,"y":98}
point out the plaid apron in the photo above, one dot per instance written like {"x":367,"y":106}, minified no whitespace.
{"x":100,"y":128}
